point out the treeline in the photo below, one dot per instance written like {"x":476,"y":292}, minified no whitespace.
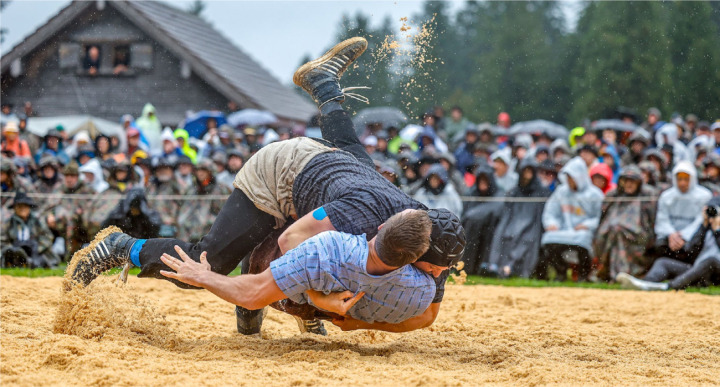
{"x":521,"y":57}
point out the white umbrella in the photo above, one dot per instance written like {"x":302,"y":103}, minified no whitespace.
{"x":73,"y":124}
{"x":251,"y":117}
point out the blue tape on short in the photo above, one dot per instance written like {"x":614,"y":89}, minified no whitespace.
{"x":320,"y":214}
{"x":135,"y":252}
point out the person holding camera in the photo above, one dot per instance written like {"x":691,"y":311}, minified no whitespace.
{"x":679,"y":213}
{"x":703,"y":268}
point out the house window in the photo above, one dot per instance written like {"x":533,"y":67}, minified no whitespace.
{"x":121,"y":59}
{"x":92,"y":60}
{"x":106,"y":58}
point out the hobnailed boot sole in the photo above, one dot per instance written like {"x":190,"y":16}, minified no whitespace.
{"x":83,"y":255}
{"x":313,"y":64}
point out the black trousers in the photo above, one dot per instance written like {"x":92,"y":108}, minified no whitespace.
{"x":240,"y":226}
{"x":552,"y":255}
{"x":684,"y":274}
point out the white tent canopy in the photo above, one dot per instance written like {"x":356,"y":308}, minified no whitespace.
{"x":74,"y":124}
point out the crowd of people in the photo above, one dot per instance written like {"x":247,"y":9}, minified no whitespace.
{"x":598,"y":205}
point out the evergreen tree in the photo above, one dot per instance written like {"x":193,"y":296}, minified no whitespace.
{"x":518,"y":69}
{"x":696,"y":62}
{"x":623,"y":58}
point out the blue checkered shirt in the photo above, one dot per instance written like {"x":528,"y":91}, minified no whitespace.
{"x":333,"y":261}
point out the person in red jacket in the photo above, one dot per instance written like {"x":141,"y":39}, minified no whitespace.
{"x":602,"y":177}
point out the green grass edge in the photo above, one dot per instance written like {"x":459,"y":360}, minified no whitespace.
{"x":471,"y":280}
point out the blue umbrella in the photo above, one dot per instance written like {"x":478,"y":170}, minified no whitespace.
{"x":251,"y":117}
{"x":196,"y":124}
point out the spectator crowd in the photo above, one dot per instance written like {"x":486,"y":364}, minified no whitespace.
{"x":585,"y":207}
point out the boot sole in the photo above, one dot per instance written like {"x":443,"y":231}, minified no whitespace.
{"x":307,"y":67}
{"x":83,"y":255}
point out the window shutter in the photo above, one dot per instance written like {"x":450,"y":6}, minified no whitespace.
{"x":141,"y":56}
{"x":69,"y":55}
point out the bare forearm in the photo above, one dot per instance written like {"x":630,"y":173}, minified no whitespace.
{"x":418,"y":322}
{"x":235,"y":290}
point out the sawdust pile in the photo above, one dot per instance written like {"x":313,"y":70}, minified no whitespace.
{"x":484,"y":334}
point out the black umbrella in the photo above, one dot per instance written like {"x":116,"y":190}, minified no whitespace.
{"x":614,"y":124}
{"x":387,"y":116}
{"x":548,"y":128}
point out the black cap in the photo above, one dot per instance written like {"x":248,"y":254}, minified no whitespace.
{"x":22,"y":198}
{"x":183,"y":160}
{"x":447,"y":239}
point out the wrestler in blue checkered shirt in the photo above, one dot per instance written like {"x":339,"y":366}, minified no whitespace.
{"x":334,"y":261}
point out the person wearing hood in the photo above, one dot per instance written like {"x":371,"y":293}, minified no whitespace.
{"x":559,"y":148}
{"x":183,"y":143}
{"x":653,"y":121}
{"x":679,"y":212}
{"x":92,"y":176}
{"x":668,"y":134}
{"x":609,"y":157}
{"x":661,"y":163}
{"x":602,"y":177}
{"x":464,"y":151}
{"x":195,"y":218}
{"x":12,"y":141}
{"x":163,"y":182}
{"x":395,"y":141}
{"x":437,"y":193}
{"x":505,"y":178}
{"x":49,"y":180}
{"x":134,"y":216}
{"x":429,"y":142}
{"x":637,"y":143}
{"x":480,"y":219}
{"x":447,"y":160}
{"x":625,"y":233}
{"x":701,"y":267}
{"x":25,"y":238}
{"x":570,"y":219}
{"x":516,"y":241}
{"x":150,"y":126}
{"x":80,"y":140}
{"x":169,"y":149}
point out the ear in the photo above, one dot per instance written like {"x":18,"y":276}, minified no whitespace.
{"x":380,"y":226}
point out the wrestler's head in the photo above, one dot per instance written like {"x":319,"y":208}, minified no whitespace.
{"x":403,"y":238}
{"x":447,"y":243}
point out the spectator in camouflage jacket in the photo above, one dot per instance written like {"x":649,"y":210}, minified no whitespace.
{"x":163,"y":183}
{"x":25,"y":239}
{"x":197,"y":216}
{"x":11,"y":183}
{"x":65,"y":215}
{"x":626,"y":229}
{"x":49,"y":179}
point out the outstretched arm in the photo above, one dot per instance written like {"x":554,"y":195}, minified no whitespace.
{"x":251,"y":291}
{"x":418,"y":322}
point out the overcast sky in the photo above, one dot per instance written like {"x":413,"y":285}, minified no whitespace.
{"x":277,"y":34}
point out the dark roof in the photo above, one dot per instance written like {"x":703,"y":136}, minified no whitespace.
{"x":210,"y":54}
